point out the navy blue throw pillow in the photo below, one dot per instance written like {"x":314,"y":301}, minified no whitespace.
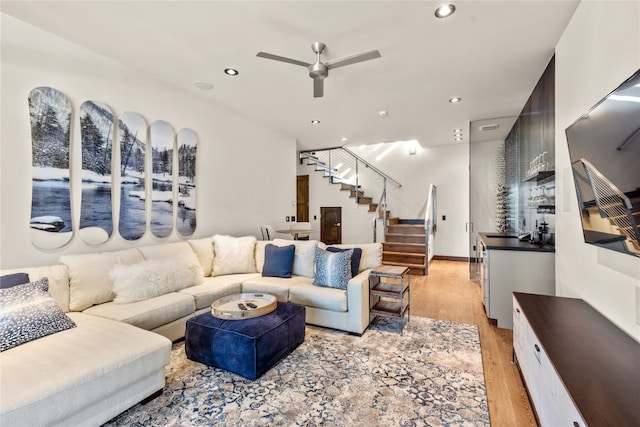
{"x":355,"y":258}
{"x":10,"y":280}
{"x":278,"y":261}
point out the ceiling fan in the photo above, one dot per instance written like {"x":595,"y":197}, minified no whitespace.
{"x":319,"y":70}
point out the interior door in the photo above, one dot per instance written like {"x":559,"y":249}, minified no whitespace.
{"x":302,"y":198}
{"x":331,"y":225}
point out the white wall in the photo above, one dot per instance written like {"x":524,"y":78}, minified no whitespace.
{"x":239,"y":162}
{"x":599,"y":50}
{"x":446,"y":166}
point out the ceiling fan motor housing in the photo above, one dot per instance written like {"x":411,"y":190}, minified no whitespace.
{"x":318,"y":71}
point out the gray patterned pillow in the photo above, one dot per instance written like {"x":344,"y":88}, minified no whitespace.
{"x":333,"y":269}
{"x":28,"y":312}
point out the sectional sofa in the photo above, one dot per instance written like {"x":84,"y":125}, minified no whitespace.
{"x":87,"y":374}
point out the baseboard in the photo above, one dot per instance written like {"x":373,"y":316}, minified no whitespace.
{"x":450,"y":258}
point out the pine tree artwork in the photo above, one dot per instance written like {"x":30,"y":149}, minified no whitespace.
{"x":96,"y":135}
{"x":187,"y":142}
{"x":132,"y":223}
{"x":50,"y":113}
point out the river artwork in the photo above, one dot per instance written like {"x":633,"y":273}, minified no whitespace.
{"x":133,"y":147}
{"x":187,"y":140}
{"x":162,"y":147}
{"x":96,"y":133}
{"x":50,"y":117}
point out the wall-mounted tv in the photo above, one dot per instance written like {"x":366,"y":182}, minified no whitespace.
{"x":604,"y":147}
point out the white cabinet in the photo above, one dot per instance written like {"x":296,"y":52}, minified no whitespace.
{"x":549,"y":397}
{"x":506,"y":271}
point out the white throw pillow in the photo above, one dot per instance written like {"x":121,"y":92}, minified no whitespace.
{"x":233,"y":255}
{"x":305,"y":255}
{"x":154,"y":277}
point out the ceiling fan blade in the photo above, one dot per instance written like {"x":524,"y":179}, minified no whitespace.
{"x":318,"y":88}
{"x":352,"y":59}
{"x":282,"y":59}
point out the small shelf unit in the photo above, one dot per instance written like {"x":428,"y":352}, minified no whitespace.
{"x":390,"y":292}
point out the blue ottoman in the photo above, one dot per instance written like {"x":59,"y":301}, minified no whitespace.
{"x":248,"y":347}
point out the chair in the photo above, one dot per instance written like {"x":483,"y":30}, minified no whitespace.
{"x":267,"y":232}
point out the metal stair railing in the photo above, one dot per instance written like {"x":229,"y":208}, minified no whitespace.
{"x":343,"y":166}
{"x":612,"y":203}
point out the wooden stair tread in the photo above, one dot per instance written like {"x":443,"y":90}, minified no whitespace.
{"x":406,"y":264}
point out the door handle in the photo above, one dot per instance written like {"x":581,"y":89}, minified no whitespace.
{"x":337,"y":224}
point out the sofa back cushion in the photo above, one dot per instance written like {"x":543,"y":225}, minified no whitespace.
{"x":304,"y":257}
{"x":260,"y":249}
{"x":89,"y":281}
{"x":233,"y":255}
{"x":58,"y":278}
{"x":203,"y":248}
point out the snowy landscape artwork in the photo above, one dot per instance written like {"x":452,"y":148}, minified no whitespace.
{"x":132,"y":222}
{"x":162,"y":142}
{"x":187,"y":141}
{"x":50,"y":117}
{"x":96,"y":134}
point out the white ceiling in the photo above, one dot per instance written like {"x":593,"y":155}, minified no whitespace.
{"x":490,"y":53}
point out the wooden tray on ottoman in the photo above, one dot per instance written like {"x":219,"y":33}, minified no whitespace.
{"x":243,"y":306}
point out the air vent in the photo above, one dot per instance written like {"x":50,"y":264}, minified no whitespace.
{"x":493,"y":126}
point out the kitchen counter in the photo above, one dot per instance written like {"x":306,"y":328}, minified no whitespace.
{"x":509,"y":242}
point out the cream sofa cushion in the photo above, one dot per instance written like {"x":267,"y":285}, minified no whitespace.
{"x":203,"y":248}
{"x":277,"y":286}
{"x":58,"y":276}
{"x":260,"y":245}
{"x":305,"y":255}
{"x":147,"y":314}
{"x":310,"y":295}
{"x":217,"y":287}
{"x":89,"y":281}
{"x":233,"y":255}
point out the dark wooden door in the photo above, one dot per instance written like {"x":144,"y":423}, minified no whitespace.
{"x":302,"y":198}
{"x":331,"y":225}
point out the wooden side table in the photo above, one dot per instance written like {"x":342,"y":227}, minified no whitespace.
{"x":390,"y":292}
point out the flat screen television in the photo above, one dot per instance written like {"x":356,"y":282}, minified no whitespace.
{"x":604,"y":147}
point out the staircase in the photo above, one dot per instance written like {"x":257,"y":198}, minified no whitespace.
{"x":405,"y":245}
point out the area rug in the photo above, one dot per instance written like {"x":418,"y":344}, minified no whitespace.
{"x":431,"y":375}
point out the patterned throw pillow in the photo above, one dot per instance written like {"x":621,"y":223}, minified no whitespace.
{"x":355,"y":258}
{"x":333,"y":269}
{"x":28,"y":312}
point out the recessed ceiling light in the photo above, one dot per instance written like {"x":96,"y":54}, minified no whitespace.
{"x":383,"y":113}
{"x":458,"y":139}
{"x":457,"y":130}
{"x":203,"y":85}
{"x":231,"y":71}
{"x":315,"y":122}
{"x":455,"y":99}
{"x":344,"y":139}
{"x":445,"y":10}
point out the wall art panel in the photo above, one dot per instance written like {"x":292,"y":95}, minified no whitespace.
{"x":187,"y":142}
{"x":50,"y":116}
{"x":96,"y":134}
{"x":162,"y":142}
{"x":133,"y":147}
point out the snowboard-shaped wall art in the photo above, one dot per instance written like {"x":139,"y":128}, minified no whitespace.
{"x":96,"y":134}
{"x":133,"y":147}
{"x":50,"y":115}
{"x":186,"y":140}
{"x":162,"y":139}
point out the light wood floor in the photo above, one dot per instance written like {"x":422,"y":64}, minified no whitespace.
{"x":448,"y":294}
